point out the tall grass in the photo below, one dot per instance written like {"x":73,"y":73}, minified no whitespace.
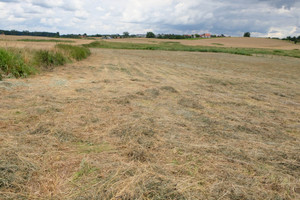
{"x":176,"y":46}
{"x":62,"y":54}
{"x":13,"y":62}
{"x":74,"y":52}
{"x":47,"y":58}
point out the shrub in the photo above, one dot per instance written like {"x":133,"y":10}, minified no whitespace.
{"x":12,"y":63}
{"x":47,"y":58}
{"x":150,"y":35}
{"x":247,"y":34}
{"x":75,"y":52}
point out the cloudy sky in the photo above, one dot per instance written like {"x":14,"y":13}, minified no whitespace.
{"x":263,"y":18}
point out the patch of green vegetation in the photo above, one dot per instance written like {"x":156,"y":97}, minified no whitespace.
{"x":12,"y":62}
{"x":278,"y":51}
{"x":219,"y":44}
{"x":84,"y":170}
{"x":41,"y":40}
{"x":199,"y":38}
{"x":47,"y":58}
{"x":62,"y":55}
{"x":170,"y":42}
{"x":75,"y":52}
{"x":170,"y":46}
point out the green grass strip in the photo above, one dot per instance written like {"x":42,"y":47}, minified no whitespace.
{"x":12,"y":62}
{"x":41,"y":40}
{"x":176,"y":46}
{"x":75,"y":52}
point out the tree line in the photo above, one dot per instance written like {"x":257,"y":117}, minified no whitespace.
{"x":45,"y":34}
{"x":174,"y":36}
{"x":28,"y":33}
{"x":293,"y":39}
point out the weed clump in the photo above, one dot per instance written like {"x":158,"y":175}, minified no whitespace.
{"x":63,"y":54}
{"x":74,"y":52}
{"x":47,"y":58}
{"x":12,"y":63}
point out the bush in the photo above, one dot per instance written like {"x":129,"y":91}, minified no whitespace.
{"x":11,"y":62}
{"x":47,"y":58}
{"x":247,"y":34}
{"x":150,"y":35}
{"x":74,"y":52}
{"x":62,"y":54}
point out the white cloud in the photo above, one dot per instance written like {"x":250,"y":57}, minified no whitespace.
{"x":50,"y":21}
{"x":81,"y":14}
{"x":282,"y":32}
{"x":232,"y":17}
{"x":12,"y":18}
{"x":47,"y":3}
{"x":100,"y":8}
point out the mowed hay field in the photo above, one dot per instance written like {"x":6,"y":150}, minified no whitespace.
{"x":32,"y":42}
{"x":238,"y":42}
{"x":138,"y":124}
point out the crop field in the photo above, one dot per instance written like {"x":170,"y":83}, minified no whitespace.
{"x":226,"y":42}
{"x":153,"y":124}
{"x":31,"y":42}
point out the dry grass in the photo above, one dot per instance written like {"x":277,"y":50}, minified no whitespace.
{"x":128,"y":124}
{"x":14,"y":41}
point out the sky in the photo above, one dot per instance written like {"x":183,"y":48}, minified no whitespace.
{"x":263,"y":18}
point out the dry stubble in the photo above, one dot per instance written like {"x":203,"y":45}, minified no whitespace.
{"x":153,"y":125}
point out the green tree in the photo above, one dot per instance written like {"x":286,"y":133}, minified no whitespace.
{"x":126,"y":34}
{"x":247,"y":34}
{"x":150,"y":35}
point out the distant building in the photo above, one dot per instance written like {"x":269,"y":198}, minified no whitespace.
{"x":107,"y":37}
{"x":205,"y":35}
{"x":141,"y":35}
{"x":83,"y":36}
